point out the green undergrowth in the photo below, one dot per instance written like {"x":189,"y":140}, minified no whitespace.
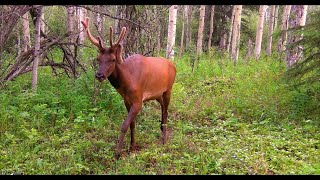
{"x":223,"y":119}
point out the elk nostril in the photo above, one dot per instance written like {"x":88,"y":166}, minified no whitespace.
{"x":99,"y":75}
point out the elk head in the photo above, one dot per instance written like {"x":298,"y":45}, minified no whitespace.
{"x":108,"y":57}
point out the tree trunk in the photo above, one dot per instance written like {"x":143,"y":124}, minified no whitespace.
{"x":81,"y":17}
{"x":231,"y":28}
{"x":18,"y":41}
{"x":223,"y":39}
{"x":158,"y":30}
{"x":182,"y":31}
{"x":284,"y":27}
{"x":163,"y":32}
{"x":72,"y":38}
{"x":276,"y":18}
{"x":257,"y":50}
{"x":116,"y":21}
{"x":171,"y":31}
{"x":26,"y":32}
{"x":294,"y":54}
{"x":8,"y":22}
{"x":189,"y":23}
{"x":270,"y":30}
{"x":211,"y":26}
{"x":70,"y":22}
{"x":98,"y":22}
{"x":200,"y":29}
{"x":43,"y":27}
{"x":250,"y":47}
{"x":236,"y":34}
{"x":36,"y":48}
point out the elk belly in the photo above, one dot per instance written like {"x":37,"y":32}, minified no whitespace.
{"x":149,"y":96}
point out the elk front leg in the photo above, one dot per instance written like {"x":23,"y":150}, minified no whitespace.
{"x":134,"y":110}
{"x":132,"y":127}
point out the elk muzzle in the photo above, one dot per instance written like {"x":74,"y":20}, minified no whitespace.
{"x":100,"y":76}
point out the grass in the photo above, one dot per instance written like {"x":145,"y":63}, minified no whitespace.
{"x":222,"y":120}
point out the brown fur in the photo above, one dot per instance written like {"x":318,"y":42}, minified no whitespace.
{"x":136,"y":79}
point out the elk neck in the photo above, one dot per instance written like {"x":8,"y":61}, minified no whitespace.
{"x":114,"y":77}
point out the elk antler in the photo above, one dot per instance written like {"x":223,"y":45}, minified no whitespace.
{"x":110,"y":36}
{"x":123,"y":32}
{"x":92,"y":39}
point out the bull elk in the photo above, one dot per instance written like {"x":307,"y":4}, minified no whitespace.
{"x":137,"y":79}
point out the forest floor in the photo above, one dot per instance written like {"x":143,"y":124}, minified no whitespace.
{"x":222,"y":120}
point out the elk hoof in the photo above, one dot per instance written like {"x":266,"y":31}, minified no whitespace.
{"x":163,"y":142}
{"x":117,"y":156}
{"x":133,"y":148}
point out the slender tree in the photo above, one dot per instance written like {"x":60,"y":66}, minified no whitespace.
{"x":200,"y":29}
{"x":294,"y":54}
{"x":236,"y":33}
{"x":18,"y":29}
{"x":26,"y":32}
{"x":257,"y":50}
{"x":211,"y":26}
{"x":116,"y":21}
{"x":171,"y":31}
{"x":284,"y":26}
{"x":43,"y":25}
{"x":223,"y":40}
{"x":276,"y":13}
{"x":182,"y":30}
{"x":36,"y":48}
{"x":99,"y":21}
{"x":159,"y":27}
{"x":250,"y":47}
{"x":189,"y":23}
{"x":230,"y":29}
{"x":81,"y":15}
{"x":70,"y":22}
{"x":270,"y":30}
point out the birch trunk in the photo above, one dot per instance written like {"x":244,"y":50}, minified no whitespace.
{"x":257,"y":50}
{"x":276,"y":18}
{"x":182,"y":31}
{"x":270,"y":30}
{"x":70,"y":22}
{"x":200,"y":29}
{"x":18,"y":40}
{"x":294,"y":54}
{"x":36,"y":48}
{"x":42,"y":23}
{"x":189,"y":23}
{"x":158,"y":30}
{"x":81,"y":17}
{"x":26,"y":32}
{"x":99,"y":21}
{"x":236,"y":34}
{"x":284,"y":27}
{"x":171,"y":31}
{"x":230,"y":29}
{"x":211,"y":26}
{"x":250,"y":47}
{"x":116,"y":21}
{"x":223,"y":40}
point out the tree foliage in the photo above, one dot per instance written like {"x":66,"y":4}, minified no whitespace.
{"x":307,"y":71}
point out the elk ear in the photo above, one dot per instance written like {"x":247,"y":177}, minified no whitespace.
{"x":119,"y":54}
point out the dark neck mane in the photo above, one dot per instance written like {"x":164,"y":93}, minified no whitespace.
{"x":114,"y":78}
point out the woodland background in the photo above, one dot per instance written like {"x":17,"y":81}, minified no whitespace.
{"x":245,"y":99}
